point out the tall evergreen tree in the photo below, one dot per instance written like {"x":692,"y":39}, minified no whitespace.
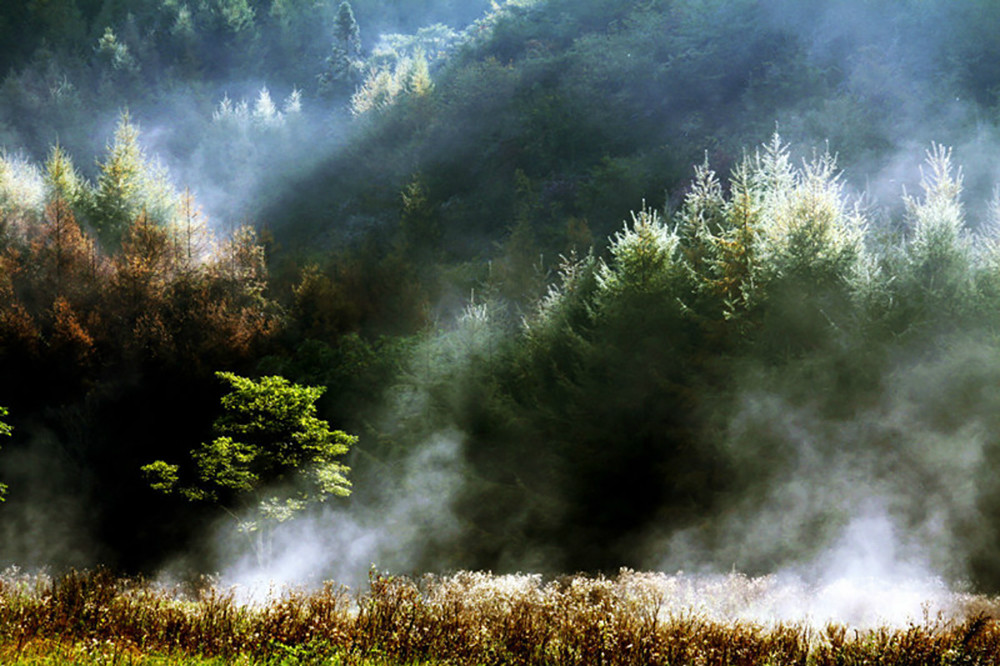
{"x":118,"y":183}
{"x":347,"y":34}
{"x":343,"y":66}
{"x":127,"y":185}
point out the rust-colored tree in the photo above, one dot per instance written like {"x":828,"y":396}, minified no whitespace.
{"x":143,"y":270}
{"x":64,"y":261}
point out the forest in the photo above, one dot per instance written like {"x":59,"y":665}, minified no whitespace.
{"x":544,"y":286}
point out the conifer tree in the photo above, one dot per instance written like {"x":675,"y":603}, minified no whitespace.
{"x":190,"y":234}
{"x":62,"y":256}
{"x":143,"y":267}
{"x":62,"y":180}
{"x":127,"y":185}
{"x":935,"y":275}
{"x":343,"y":65}
{"x":115,"y":202}
{"x":70,"y":344}
{"x":419,"y":224}
{"x":347,"y":34}
{"x":22,"y":197}
{"x":116,"y":53}
{"x":418,"y":77}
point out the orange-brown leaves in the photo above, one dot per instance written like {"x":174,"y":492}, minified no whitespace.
{"x":68,"y":339}
{"x":63,"y":259}
{"x":160,"y":296}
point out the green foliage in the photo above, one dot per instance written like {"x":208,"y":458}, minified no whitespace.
{"x":346,"y":33}
{"x":939,"y":258}
{"x":624,"y":375}
{"x":543,"y":116}
{"x":271,"y":453}
{"x":5,"y":430}
{"x":128,"y":184}
{"x":645,"y":260}
{"x":116,"y":53}
{"x":62,"y":180}
{"x":343,"y":65}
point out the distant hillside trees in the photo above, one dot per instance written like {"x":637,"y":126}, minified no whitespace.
{"x":155,"y":273}
{"x":611,"y":409}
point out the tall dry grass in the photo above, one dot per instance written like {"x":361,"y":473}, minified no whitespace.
{"x":633,"y":619}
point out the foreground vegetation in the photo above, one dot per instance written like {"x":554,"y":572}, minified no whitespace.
{"x":464,"y":618}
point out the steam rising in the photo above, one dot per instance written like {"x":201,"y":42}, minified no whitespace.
{"x":405,"y":514}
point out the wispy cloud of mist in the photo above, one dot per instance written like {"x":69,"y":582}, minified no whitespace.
{"x":873,"y":514}
{"x":900,"y":91}
{"x":48,"y":518}
{"x":399,"y":517}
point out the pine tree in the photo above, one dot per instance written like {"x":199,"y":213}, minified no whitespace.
{"x":62,"y":181}
{"x":418,"y":77}
{"x":116,"y":53}
{"x":143,"y":268}
{"x":61,"y":255}
{"x":22,"y":198}
{"x":935,"y":278}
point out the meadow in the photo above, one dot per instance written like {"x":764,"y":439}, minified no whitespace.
{"x":470,"y":618}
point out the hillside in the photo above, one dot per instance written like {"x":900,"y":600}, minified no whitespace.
{"x":662,"y":284}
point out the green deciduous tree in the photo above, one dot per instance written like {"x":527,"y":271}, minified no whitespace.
{"x":271,"y":458}
{"x":4,"y":430}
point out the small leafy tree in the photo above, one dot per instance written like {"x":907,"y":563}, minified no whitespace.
{"x":4,"y":430}
{"x":272,"y":457}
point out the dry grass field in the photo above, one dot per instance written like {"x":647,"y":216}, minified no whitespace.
{"x":639,"y":619}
